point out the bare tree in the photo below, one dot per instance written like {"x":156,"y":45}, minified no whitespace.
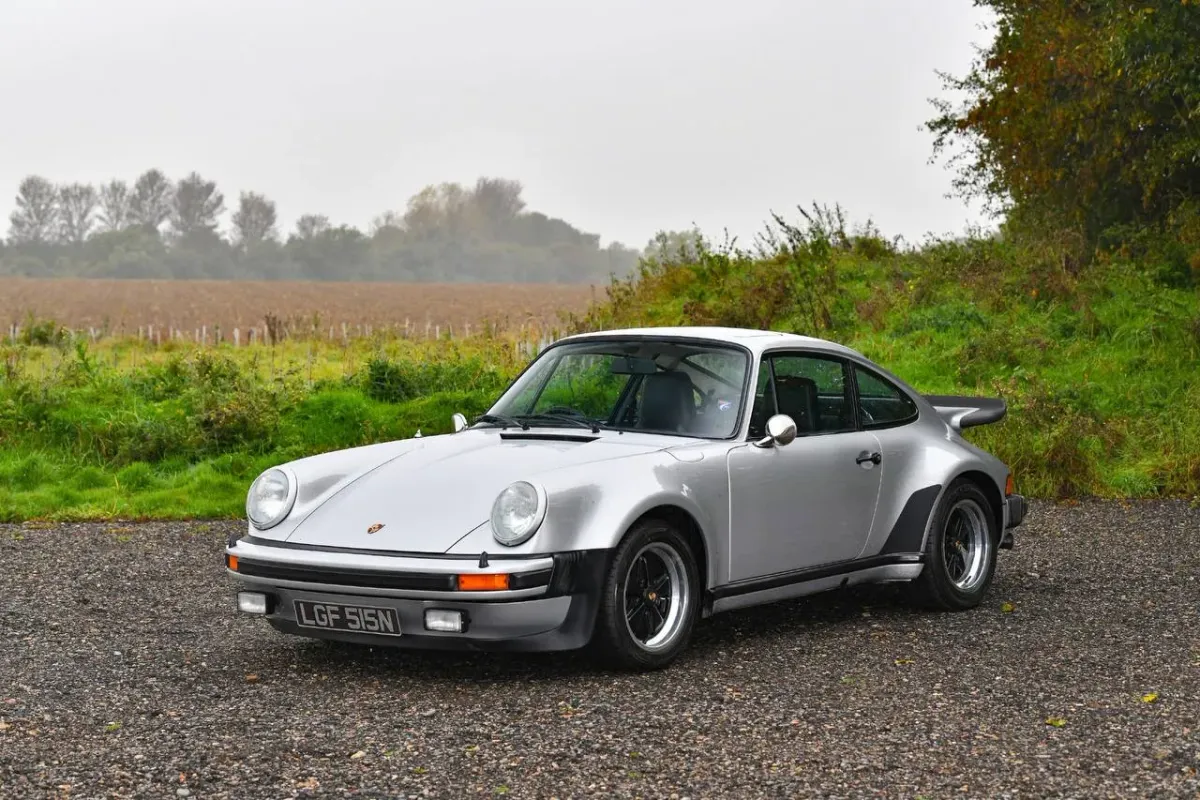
{"x":76,"y":212}
{"x":116,"y":210}
{"x":310,"y":226}
{"x":196,"y":205}
{"x":254,"y":220}
{"x":151,"y":202}
{"x":36,"y":215}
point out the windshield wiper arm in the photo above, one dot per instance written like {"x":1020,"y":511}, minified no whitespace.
{"x":500,"y":419}
{"x":578,"y":421}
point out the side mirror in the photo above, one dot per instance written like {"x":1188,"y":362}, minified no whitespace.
{"x":781,"y":430}
{"x":460,"y":422}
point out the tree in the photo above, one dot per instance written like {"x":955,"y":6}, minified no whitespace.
{"x":388,"y":219}
{"x":497,"y":203}
{"x":676,"y":246}
{"x":116,"y":210}
{"x":150,"y":205}
{"x":254,"y":220}
{"x":36,"y":215}
{"x":1082,"y":112}
{"x":340,"y":253}
{"x":310,"y":226}
{"x":195,"y":206}
{"x":76,"y":209}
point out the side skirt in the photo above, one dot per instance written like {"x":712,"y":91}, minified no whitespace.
{"x":876,"y":569}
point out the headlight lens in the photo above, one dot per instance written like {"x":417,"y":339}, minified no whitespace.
{"x":270,"y":499}
{"x":517,"y":513}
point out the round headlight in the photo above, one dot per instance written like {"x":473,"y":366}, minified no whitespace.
{"x":271,"y":498}
{"x":517,"y":513}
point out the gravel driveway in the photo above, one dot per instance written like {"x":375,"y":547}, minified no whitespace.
{"x":124,"y":671}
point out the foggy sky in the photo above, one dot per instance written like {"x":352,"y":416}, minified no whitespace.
{"x":621,"y":117}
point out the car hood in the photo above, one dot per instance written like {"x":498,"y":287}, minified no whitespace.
{"x":442,"y":488}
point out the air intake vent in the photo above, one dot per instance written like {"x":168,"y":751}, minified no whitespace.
{"x":548,"y":437}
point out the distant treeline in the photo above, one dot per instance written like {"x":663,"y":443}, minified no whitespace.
{"x":159,"y":228}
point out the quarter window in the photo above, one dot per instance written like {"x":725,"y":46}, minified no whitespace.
{"x":880,"y":403}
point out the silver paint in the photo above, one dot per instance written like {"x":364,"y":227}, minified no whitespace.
{"x":758,"y":510}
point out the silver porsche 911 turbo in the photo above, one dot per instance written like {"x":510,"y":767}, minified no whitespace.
{"x":627,"y":484}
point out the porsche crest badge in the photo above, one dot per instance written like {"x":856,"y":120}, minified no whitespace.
{"x":376,"y":528}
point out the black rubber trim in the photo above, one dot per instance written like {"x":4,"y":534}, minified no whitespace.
{"x":988,"y":409}
{"x":908,"y":534}
{"x":1016,"y":510}
{"x":579,"y":572}
{"x":812,"y":574}
{"x":377,"y":579}
{"x":529,"y":580}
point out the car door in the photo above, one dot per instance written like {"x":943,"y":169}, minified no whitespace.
{"x":888,"y":413}
{"x":810,"y":502}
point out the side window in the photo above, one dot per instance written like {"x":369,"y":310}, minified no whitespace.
{"x":880,"y":403}
{"x":813,"y":391}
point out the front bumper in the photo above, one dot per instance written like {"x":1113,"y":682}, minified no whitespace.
{"x":551,"y":606}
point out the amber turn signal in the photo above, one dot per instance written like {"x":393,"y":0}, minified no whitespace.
{"x":231,"y":562}
{"x":483,"y":583}
{"x":1008,"y":485}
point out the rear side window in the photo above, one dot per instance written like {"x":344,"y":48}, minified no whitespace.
{"x":880,"y":403}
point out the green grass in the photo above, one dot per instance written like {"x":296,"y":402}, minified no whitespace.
{"x":1101,"y":371}
{"x":126,"y":432}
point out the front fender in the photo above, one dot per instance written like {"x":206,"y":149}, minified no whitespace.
{"x":323,"y":475}
{"x":593,"y":506}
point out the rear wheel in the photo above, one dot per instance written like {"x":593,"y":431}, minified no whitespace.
{"x":651,"y":596}
{"x":960,"y":553}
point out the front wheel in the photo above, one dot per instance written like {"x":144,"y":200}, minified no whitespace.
{"x":960,"y":553}
{"x":651,"y":596}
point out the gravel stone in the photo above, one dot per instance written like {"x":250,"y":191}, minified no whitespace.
{"x":125,"y":671}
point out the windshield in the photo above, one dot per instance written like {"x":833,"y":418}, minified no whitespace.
{"x":683,"y":388}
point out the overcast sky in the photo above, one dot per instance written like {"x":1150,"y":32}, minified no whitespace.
{"x":621,"y":117}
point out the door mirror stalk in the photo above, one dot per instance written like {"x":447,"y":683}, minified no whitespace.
{"x":781,"y":430}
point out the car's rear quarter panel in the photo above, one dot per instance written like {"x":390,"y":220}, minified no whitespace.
{"x":920,"y":461}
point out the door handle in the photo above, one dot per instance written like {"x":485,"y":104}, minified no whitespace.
{"x":864,"y":457}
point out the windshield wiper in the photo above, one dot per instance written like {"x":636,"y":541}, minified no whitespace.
{"x":577,"y":421}
{"x":500,"y":419}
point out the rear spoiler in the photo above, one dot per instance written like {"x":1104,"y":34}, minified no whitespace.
{"x":967,"y":412}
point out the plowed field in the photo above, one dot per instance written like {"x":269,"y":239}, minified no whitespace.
{"x":126,"y":305}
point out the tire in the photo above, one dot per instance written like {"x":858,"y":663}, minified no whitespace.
{"x":959,"y":582}
{"x":661,"y":626}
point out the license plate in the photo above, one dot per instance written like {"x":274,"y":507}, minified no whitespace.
{"x":356,"y":619}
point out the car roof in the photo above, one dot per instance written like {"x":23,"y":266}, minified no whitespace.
{"x":757,"y":341}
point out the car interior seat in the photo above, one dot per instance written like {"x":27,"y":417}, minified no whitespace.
{"x":667,"y":402}
{"x":797,"y":397}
